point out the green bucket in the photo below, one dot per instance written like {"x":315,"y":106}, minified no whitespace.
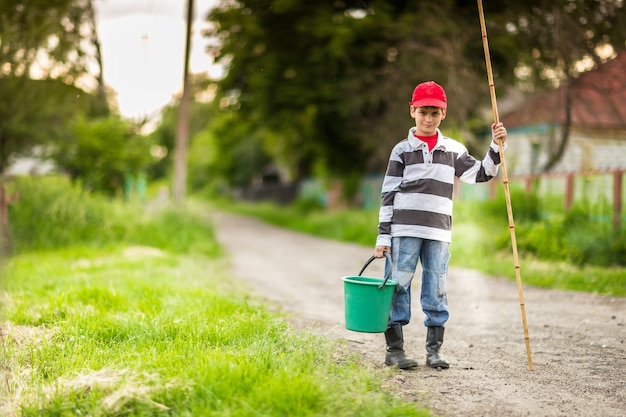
{"x":367,"y":301}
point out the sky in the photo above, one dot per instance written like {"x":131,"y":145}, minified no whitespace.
{"x":143,"y":50}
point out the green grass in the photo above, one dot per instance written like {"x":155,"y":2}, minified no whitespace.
{"x":148,"y":324}
{"x":53,"y":213}
{"x":130,"y":332}
{"x":346,"y":225}
{"x":479,"y":242}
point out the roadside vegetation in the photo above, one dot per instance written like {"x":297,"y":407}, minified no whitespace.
{"x":118,"y":309}
{"x":113,"y":306}
{"x":123,"y":308}
{"x":568,"y":251}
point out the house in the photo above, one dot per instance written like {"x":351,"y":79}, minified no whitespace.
{"x":597,"y":138}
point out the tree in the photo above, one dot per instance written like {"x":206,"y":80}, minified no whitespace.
{"x":36,"y":112}
{"x":164,"y":135}
{"x":45,"y":49}
{"x":225,"y":153}
{"x":441,"y":41}
{"x":102,"y":153}
{"x":292,"y":72}
{"x":44,"y":38}
{"x":562,"y":39}
{"x":331,"y":81}
{"x":325,"y":85}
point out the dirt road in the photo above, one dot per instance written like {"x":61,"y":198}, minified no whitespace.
{"x":578,"y":340}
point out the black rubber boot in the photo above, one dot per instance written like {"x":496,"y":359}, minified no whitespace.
{"x":434,"y":340}
{"x":395,"y":349}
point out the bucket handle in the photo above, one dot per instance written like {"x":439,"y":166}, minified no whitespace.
{"x":370,"y":260}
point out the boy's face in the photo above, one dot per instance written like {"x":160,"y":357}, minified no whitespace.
{"x":427,"y":119}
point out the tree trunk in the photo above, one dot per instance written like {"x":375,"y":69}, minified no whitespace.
{"x":96,"y":43}
{"x":555,"y":156}
{"x":182,"y":137}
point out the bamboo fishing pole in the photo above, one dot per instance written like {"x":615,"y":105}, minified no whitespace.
{"x":505,"y":181}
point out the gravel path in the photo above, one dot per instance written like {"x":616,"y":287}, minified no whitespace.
{"x":577,"y":339}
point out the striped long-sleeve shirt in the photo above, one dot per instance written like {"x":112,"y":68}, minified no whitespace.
{"x":418,"y":186}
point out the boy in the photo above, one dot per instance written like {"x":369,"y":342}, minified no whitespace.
{"x":415,"y":218}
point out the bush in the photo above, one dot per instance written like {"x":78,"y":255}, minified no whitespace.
{"x":525,"y":207}
{"x":104,"y":153}
{"x":177,"y":231}
{"x":573,"y":236}
{"x":52,"y":212}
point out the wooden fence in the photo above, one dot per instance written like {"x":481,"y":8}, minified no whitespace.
{"x":593,"y":187}
{"x":600,"y":188}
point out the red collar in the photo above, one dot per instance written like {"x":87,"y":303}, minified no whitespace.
{"x":431,"y":141}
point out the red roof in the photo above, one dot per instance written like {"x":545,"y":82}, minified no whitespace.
{"x":598,"y":101}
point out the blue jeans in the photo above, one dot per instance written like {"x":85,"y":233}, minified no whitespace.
{"x":405,"y":253}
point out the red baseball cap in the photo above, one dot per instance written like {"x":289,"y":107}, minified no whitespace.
{"x":429,"y":94}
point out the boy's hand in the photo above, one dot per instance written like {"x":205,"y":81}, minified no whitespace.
{"x":498,"y":132}
{"x":379,"y":252}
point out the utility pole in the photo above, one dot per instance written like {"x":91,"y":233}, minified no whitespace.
{"x":91,"y":14}
{"x":182,"y":132}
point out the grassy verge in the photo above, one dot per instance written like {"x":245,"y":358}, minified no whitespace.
{"x":146,"y":325}
{"x":137,"y":331}
{"x":477,"y":244}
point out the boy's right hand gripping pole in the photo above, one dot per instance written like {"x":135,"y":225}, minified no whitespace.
{"x":505,"y":181}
